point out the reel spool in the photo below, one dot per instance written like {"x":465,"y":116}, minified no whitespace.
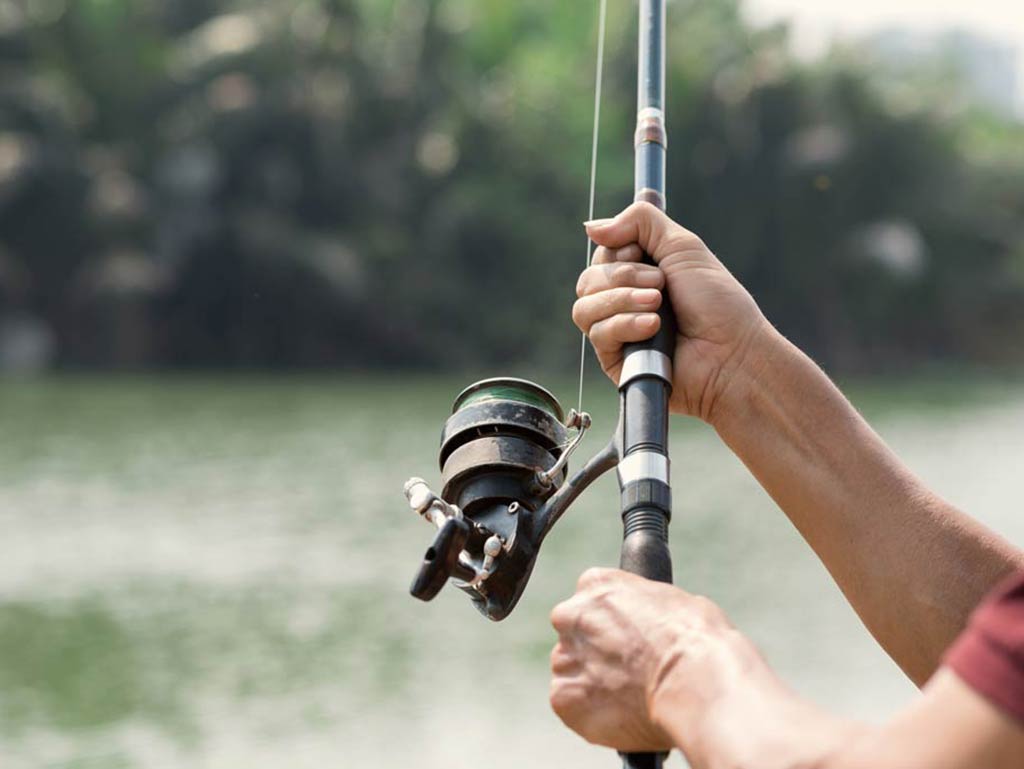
{"x":503,"y":456}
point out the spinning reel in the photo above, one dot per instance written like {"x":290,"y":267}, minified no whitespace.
{"x":504,"y":466}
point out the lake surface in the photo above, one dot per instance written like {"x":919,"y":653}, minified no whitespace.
{"x":212,"y":572}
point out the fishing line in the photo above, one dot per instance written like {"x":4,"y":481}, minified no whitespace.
{"x":598,"y":76}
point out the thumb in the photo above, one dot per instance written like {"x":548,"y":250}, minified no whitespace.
{"x":641,"y":223}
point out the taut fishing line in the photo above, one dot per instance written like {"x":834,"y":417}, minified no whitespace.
{"x":595,"y":132}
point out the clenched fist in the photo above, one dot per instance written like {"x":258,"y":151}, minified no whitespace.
{"x":720,"y":327}
{"x":632,"y":653}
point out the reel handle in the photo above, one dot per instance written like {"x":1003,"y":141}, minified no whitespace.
{"x":664,"y":340}
{"x":441,"y":560}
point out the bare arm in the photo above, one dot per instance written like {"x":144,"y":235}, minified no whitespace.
{"x":950,"y":727}
{"x":912,"y":565}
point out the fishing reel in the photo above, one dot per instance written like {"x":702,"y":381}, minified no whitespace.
{"x":504,"y":466}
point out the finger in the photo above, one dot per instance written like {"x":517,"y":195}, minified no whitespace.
{"x":568,"y":697}
{"x":610,"y":334}
{"x":646,"y":225}
{"x":709,"y":611}
{"x":565,"y":616}
{"x":595,"y":575}
{"x":601,"y":277}
{"x":597,"y":307}
{"x":605,"y":255}
{"x":563,"y":661}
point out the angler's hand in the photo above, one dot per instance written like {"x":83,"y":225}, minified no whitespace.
{"x":636,"y":658}
{"x":720,"y":325}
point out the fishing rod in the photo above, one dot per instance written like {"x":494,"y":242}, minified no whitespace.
{"x":505,"y":448}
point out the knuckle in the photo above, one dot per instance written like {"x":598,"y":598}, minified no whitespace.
{"x":562,"y":661}
{"x":560,"y":615}
{"x":615,"y":300}
{"x":587,"y":578}
{"x":593,"y":576}
{"x":556,"y":652}
{"x":623,"y":274}
{"x":683,"y":241}
{"x":624,"y":330}
{"x":591,"y":280}
{"x":582,"y":283}
{"x":579,"y":314}
{"x":705,"y":607}
{"x":561,"y":698}
{"x":644,"y":209}
{"x":629,"y":253}
{"x":602,"y":337}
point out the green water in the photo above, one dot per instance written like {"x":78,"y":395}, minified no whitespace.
{"x":212,"y":572}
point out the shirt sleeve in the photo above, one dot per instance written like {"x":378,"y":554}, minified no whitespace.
{"x":989,"y":655}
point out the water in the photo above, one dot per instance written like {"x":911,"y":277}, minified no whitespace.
{"x":212,"y":573}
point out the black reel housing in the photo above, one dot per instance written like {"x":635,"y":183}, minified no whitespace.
{"x":502,"y":436}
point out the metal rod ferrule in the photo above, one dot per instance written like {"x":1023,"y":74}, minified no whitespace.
{"x":640,"y":363}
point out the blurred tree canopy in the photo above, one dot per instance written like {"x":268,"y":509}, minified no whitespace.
{"x":399,"y":183}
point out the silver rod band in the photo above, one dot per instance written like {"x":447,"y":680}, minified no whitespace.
{"x":645,"y":363}
{"x":644,"y":465}
{"x":650,"y":127}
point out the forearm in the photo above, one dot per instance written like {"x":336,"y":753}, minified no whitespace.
{"x":950,"y":727}
{"x":911,"y":565}
{"x":756,"y":724}
{"x":763,"y":725}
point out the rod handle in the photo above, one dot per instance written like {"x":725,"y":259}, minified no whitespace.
{"x":643,"y":760}
{"x":664,"y":340}
{"x":645,"y":552}
{"x":645,"y":545}
{"x":645,"y":540}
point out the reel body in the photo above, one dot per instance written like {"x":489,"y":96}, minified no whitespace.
{"x":503,"y":466}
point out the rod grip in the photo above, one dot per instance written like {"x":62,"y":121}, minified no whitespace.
{"x":645,"y":552}
{"x":643,"y":760}
{"x":664,"y":340}
{"x":645,"y":545}
{"x":645,"y":529}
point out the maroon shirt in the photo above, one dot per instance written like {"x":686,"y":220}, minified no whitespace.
{"x":989,"y":654}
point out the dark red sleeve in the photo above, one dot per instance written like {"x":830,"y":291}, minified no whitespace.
{"x":989,"y":654}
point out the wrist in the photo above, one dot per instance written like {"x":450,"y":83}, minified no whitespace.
{"x":746,"y":375}
{"x":760,"y":724}
{"x":725,"y":708}
{"x":698,"y":686}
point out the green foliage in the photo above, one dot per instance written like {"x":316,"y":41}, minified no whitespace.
{"x":395,"y":183}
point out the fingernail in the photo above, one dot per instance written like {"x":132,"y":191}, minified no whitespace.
{"x":646,"y":295}
{"x":597,"y":223}
{"x":646,"y":321}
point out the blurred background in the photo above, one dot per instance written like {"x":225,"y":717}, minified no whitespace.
{"x":250,"y":251}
